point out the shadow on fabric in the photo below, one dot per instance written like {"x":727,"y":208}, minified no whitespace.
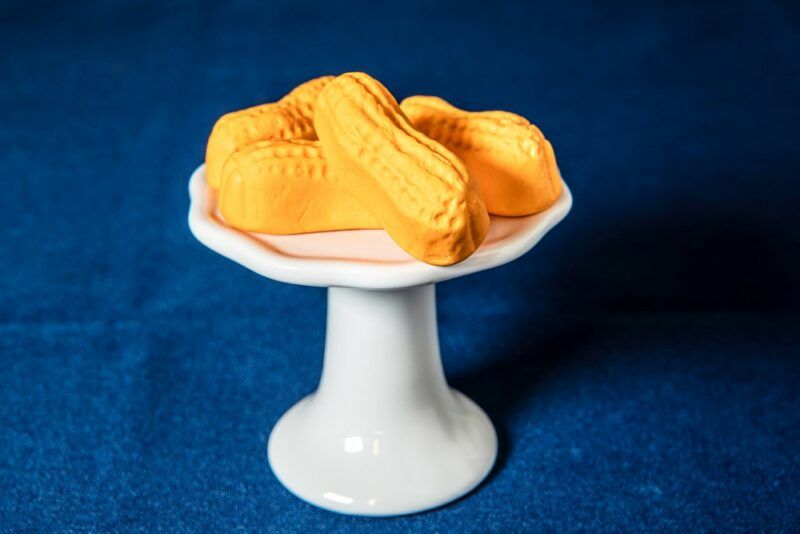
{"x":684,"y":264}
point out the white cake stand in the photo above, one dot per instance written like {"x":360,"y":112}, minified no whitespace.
{"x":383,"y":434}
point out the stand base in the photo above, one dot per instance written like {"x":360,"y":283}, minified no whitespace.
{"x":413,"y":462}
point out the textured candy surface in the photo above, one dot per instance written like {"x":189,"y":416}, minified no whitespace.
{"x":286,"y":187}
{"x":417,"y":189}
{"x":289,"y":118}
{"x":425,"y":171}
{"x":509,"y":157}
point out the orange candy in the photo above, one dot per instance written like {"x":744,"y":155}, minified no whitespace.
{"x":514,"y":164}
{"x":286,"y":187}
{"x":291,"y":117}
{"x":418,"y":190}
{"x":425,"y":171}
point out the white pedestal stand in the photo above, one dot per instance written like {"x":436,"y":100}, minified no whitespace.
{"x":383,"y":434}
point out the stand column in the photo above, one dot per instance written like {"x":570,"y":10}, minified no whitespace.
{"x":383,"y":434}
{"x":382,"y":353}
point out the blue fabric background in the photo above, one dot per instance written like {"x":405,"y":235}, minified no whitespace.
{"x":642,"y":364}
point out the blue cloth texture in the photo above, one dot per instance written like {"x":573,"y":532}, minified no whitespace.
{"x":641,"y":364}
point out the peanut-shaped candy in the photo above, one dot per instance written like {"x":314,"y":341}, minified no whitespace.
{"x":291,"y":117}
{"x":512,"y":161}
{"x":286,"y":187}
{"x":418,"y":190}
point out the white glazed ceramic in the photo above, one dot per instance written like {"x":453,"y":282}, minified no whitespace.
{"x":383,"y":434}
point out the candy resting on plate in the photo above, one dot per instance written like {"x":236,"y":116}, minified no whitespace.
{"x":287,"y":187}
{"x":418,"y":190}
{"x":424,"y":171}
{"x":291,"y":117}
{"x":512,"y":161}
